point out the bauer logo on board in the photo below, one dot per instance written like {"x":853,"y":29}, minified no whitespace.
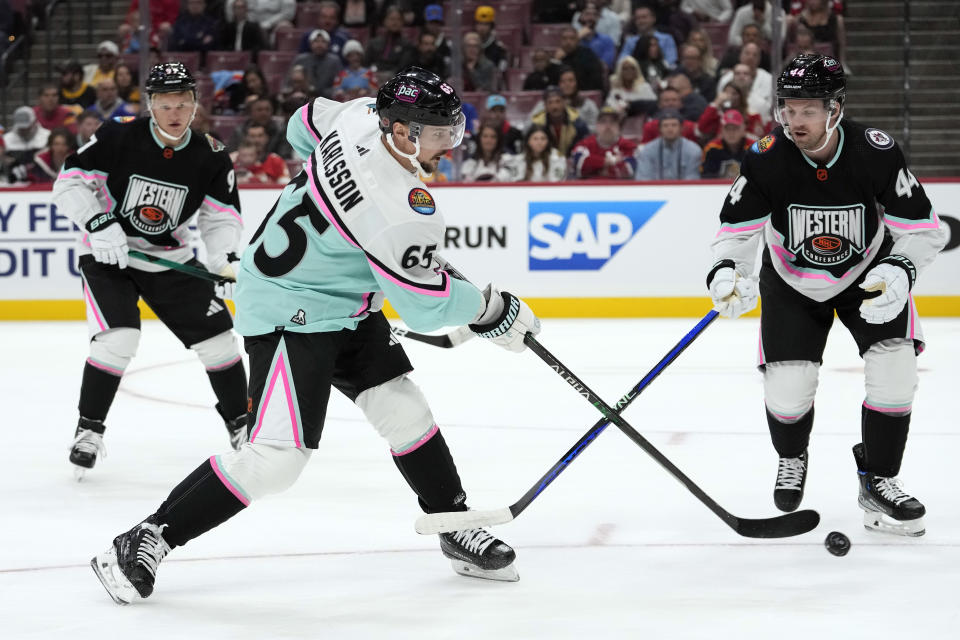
{"x":583,"y":236}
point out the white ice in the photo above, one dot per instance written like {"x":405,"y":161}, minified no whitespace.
{"x":615,"y":548}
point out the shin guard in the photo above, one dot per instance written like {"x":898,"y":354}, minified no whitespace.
{"x":884,"y":440}
{"x":431,"y":473}
{"x":790,"y":440}
{"x":202,"y":501}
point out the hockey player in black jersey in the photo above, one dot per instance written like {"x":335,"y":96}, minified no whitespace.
{"x":139,"y":184}
{"x":847,"y":229}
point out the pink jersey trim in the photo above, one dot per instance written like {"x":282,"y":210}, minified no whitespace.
{"x":364,"y":304}
{"x":221,"y":208}
{"x":230,"y":487}
{"x":93,"y":307}
{"x":419,"y":443}
{"x":730,"y":229}
{"x":305,"y":116}
{"x":278,"y":368}
{"x":903,"y":409}
{"x":225,"y":365}
{"x":99,"y":365}
{"x":323,"y":206}
{"x":444,"y":293}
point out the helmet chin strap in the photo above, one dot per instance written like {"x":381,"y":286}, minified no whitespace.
{"x":411,"y":157}
{"x":153,"y":121}
{"x":826,"y":140}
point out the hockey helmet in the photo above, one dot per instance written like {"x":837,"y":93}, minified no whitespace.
{"x":170,"y":77}
{"x":812,"y":76}
{"x":423,"y":101}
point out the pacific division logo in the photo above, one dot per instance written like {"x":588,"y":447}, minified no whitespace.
{"x":827,"y":236}
{"x":764,"y":144}
{"x":421,"y":201}
{"x":407,"y":93}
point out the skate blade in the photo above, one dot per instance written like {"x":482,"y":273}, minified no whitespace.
{"x":882,"y":523}
{"x":79,"y":473}
{"x":102,"y":566}
{"x":504,"y":574}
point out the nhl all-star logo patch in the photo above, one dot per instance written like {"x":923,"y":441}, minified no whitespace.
{"x":763,"y":144}
{"x":878,"y":139}
{"x":421,"y":201}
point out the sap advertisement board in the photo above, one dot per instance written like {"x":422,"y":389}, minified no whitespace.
{"x":571,"y":241}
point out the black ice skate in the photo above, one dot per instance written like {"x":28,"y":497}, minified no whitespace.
{"x":236,"y":428}
{"x":129,"y":567}
{"x":87,"y":444}
{"x":791,"y":478}
{"x":886,"y":506}
{"x":476,"y":553}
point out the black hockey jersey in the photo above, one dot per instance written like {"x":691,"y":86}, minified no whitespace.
{"x":821,"y":222}
{"x":154,"y":189}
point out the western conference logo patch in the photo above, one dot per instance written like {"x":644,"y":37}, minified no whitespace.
{"x":878,"y":139}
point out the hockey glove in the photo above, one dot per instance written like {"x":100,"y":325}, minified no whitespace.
{"x":108,"y":242}
{"x":893,"y":277}
{"x":505,"y":320}
{"x":228,"y":266}
{"x":733,"y":295}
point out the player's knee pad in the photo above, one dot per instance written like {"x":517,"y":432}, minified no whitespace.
{"x":398,"y":411}
{"x":258,"y":470}
{"x":789,"y":388}
{"x":112,"y":350}
{"x":890,"y":376}
{"x":219,"y":352}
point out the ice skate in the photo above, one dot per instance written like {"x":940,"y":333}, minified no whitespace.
{"x":477,"y":554}
{"x":887,"y":508}
{"x":87,"y":444}
{"x":791,"y":478}
{"x":236,"y":429}
{"x":128,"y":568}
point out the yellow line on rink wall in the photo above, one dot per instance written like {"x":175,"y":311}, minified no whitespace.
{"x":690,"y":307}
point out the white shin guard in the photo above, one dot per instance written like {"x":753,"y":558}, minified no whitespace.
{"x":259,"y":470}
{"x":398,"y":411}
{"x":218,"y":352}
{"x":112,"y":350}
{"x":789,"y":388}
{"x":890,"y":379}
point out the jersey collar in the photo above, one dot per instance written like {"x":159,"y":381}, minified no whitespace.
{"x":833,"y":160}
{"x":162,"y":145}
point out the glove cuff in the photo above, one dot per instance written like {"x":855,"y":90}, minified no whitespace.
{"x":101,"y":221}
{"x":502,"y":323}
{"x":721,"y":264}
{"x":904,"y":263}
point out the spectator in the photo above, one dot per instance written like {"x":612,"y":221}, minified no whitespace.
{"x":826,"y":26}
{"x":630,"y":94}
{"x":241,"y":33}
{"x":426,"y":56}
{"x":722,"y":156}
{"x":649,"y":56}
{"x":600,"y":43}
{"x":691,"y":65}
{"x":587,"y":66}
{"x":802,"y":43}
{"x":510,"y":136}
{"x":644,"y":24}
{"x":359,"y":13}
{"x":692,"y":103}
{"x":328,"y":19}
{"x":585,"y":107}
{"x":193,"y":29}
{"x":50,"y":113}
{"x":540,"y":160}
{"x":750,"y":34}
{"x":758,"y":12}
{"x":673,"y":21}
{"x":668,"y":101}
{"x":433,"y":24}
{"x":47,"y":163}
{"x":252,"y":86}
{"x":108,"y":104}
{"x":107,"y":56}
{"x":25,"y":138}
{"x":701,"y":40}
{"x":387,"y":50}
{"x":487,"y":164}
{"x":163,"y":13}
{"x":250,"y":169}
{"x":73,"y":89}
{"x":260,"y":112}
{"x":553,"y":10}
{"x":299,"y":88}
{"x":269,"y":14}
{"x":320,"y":65}
{"x":756,"y":82}
{"x":608,"y":22}
{"x":484,"y":24}
{"x":546,"y":72}
{"x":128,"y":86}
{"x":479,"y":74}
{"x":670,"y":156}
{"x":356,"y":80}
{"x":87,"y":124}
{"x":201,"y":122}
{"x":709,"y":10}
{"x":732,"y":97}
{"x":606,"y":154}
{"x":564,"y":127}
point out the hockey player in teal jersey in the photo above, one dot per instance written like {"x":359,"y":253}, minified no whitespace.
{"x":354,"y":227}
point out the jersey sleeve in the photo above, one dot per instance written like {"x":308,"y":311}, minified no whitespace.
{"x":908,"y":213}
{"x":80,"y":191}
{"x":219,"y":213}
{"x":746,"y":209}
{"x":309,"y":124}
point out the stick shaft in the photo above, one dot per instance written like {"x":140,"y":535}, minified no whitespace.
{"x":178,"y":266}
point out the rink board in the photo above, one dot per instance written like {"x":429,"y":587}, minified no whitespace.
{"x":574,"y":250}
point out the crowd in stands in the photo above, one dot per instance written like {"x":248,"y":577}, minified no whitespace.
{"x":553,"y":89}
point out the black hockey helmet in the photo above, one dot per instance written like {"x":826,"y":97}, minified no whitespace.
{"x":419,"y":96}
{"x":170,"y":77}
{"x":812,"y":76}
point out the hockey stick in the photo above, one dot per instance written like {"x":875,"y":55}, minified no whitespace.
{"x":790,"y":524}
{"x":458,"y":520}
{"x":454,"y":338}
{"x":179,"y":266}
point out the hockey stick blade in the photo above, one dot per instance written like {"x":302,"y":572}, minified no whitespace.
{"x":460,"y":520}
{"x":785,"y":526}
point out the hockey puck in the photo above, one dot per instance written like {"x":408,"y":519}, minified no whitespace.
{"x":837,"y":543}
